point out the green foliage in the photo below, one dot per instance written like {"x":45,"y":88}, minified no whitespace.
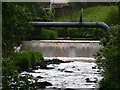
{"x":36,"y":9}
{"x":56,"y":61}
{"x":15,"y":22}
{"x":112,"y":17}
{"x":85,"y":33}
{"x":18,"y":62}
{"x":92,"y":14}
{"x":109,"y":59}
{"x":22,"y":60}
{"x":11,"y":78}
{"x":48,"y":34}
{"x":49,"y":15}
{"x":8,"y":72}
{"x":15,"y":26}
{"x":36,"y":58}
{"x":27,"y":59}
{"x":106,"y":14}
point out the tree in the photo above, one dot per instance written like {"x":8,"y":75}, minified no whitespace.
{"x":15,"y":25}
{"x":109,"y":59}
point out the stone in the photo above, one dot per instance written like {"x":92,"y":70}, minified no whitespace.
{"x":39,"y":77}
{"x":92,"y":80}
{"x":45,"y":83}
{"x":94,"y":67}
{"x":69,"y":71}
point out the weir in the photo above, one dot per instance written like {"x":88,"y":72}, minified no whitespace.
{"x":66,"y":48}
{"x":62,"y":48}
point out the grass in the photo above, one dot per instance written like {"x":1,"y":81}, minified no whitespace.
{"x":91,"y":14}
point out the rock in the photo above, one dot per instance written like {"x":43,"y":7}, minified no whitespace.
{"x":50,"y":66}
{"x":43,"y":66}
{"x":45,"y":83}
{"x":61,"y":69}
{"x":36,"y":67}
{"x":98,"y":70}
{"x":94,"y":80}
{"x":69,"y":71}
{"x":73,"y":66}
{"x":39,"y":77}
{"x":69,"y":89}
{"x":94,"y":67}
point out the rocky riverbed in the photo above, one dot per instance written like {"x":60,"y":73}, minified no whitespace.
{"x":74,"y":74}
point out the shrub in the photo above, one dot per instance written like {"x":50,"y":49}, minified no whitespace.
{"x":109,"y":59}
{"x":8,"y":73}
{"x":27,"y":59}
{"x":36,"y":58}
{"x":112,"y":17}
{"x":22,"y":60}
{"x":11,"y":78}
{"x":17,"y":62}
{"x":48,"y":34}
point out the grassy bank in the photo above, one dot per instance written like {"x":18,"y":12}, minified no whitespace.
{"x":92,"y":14}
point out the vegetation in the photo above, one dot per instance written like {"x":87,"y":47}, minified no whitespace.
{"x":27,"y":59}
{"x":48,"y":34}
{"x":17,"y":62}
{"x":94,"y":33}
{"x":109,"y":59}
{"x":15,"y":28}
{"x":104,"y":14}
{"x":92,"y":14}
{"x":15,"y":23}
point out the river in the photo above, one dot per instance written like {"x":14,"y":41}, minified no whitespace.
{"x":80,"y":72}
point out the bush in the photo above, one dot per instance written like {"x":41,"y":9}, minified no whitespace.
{"x":15,"y":26}
{"x":18,"y":62}
{"x":11,"y":78}
{"x":109,"y":59}
{"x":22,"y":60}
{"x":96,"y":33}
{"x":8,"y":73}
{"x":112,"y":17}
{"x":36,"y":58}
{"x":48,"y":34}
{"x":27,"y":59}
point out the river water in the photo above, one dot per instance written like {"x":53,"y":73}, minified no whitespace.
{"x":72,"y":75}
{"x":81,"y":72}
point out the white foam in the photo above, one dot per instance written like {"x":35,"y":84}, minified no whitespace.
{"x":71,"y":58}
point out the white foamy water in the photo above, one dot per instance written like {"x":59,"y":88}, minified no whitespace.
{"x":69,"y":75}
{"x":71,"y":58}
{"x":72,"y":74}
{"x":62,"y":48}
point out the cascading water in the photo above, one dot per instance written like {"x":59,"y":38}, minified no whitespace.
{"x":63,"y":48}
{"x":75,"y":74}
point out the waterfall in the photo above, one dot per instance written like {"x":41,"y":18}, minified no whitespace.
{"x":62,"y":48}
